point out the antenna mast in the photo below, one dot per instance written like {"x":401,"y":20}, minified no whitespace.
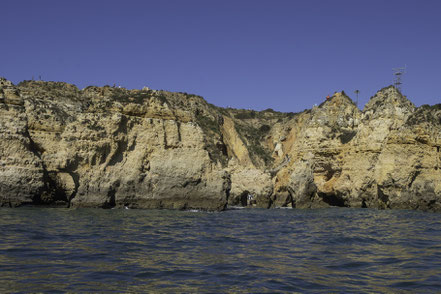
{"x":357,"y":92}
{"x":398,"y":73}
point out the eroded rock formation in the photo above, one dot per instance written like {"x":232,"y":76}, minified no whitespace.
{"x":113,"y":147}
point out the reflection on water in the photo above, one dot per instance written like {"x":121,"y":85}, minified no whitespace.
{"x":241,"y":251}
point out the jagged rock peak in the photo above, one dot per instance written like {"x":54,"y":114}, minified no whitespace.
{"x":342,"y":95}
{"x":389,"y":100}
{"x":335,"y":113}
{"x":338,"y":99}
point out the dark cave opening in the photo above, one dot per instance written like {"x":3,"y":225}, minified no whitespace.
{"x":332,"y":199}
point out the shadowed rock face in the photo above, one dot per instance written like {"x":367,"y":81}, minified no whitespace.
{"x":113,"y":147}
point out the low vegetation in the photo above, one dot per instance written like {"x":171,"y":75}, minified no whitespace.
{"x":426,"y":114}
{"x":253,"y":138}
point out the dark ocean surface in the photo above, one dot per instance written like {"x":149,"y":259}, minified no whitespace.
{"x":238,"y":251}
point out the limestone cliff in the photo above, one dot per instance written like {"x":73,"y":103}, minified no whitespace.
{"x":113,"y":147}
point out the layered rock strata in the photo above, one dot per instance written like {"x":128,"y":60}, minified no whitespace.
{"x":112,"y":147}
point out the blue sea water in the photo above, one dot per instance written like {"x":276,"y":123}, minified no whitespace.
{"x":334,"y":250}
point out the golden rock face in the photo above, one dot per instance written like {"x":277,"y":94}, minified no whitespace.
{"x":113,"y":147}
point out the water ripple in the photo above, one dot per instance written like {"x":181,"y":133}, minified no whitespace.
{"x":238,"y":251}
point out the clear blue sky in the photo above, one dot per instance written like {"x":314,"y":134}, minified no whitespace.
{"x":285,"y":55}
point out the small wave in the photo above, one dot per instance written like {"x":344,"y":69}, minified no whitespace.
{"x":235,"y":207}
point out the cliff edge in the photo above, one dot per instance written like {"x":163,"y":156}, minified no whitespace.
{"x":112,"y":147}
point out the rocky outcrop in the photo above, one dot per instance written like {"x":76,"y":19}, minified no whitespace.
{"x":112,"y":147}
{"x":383,"y":157}
{"x":250,"y":187}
